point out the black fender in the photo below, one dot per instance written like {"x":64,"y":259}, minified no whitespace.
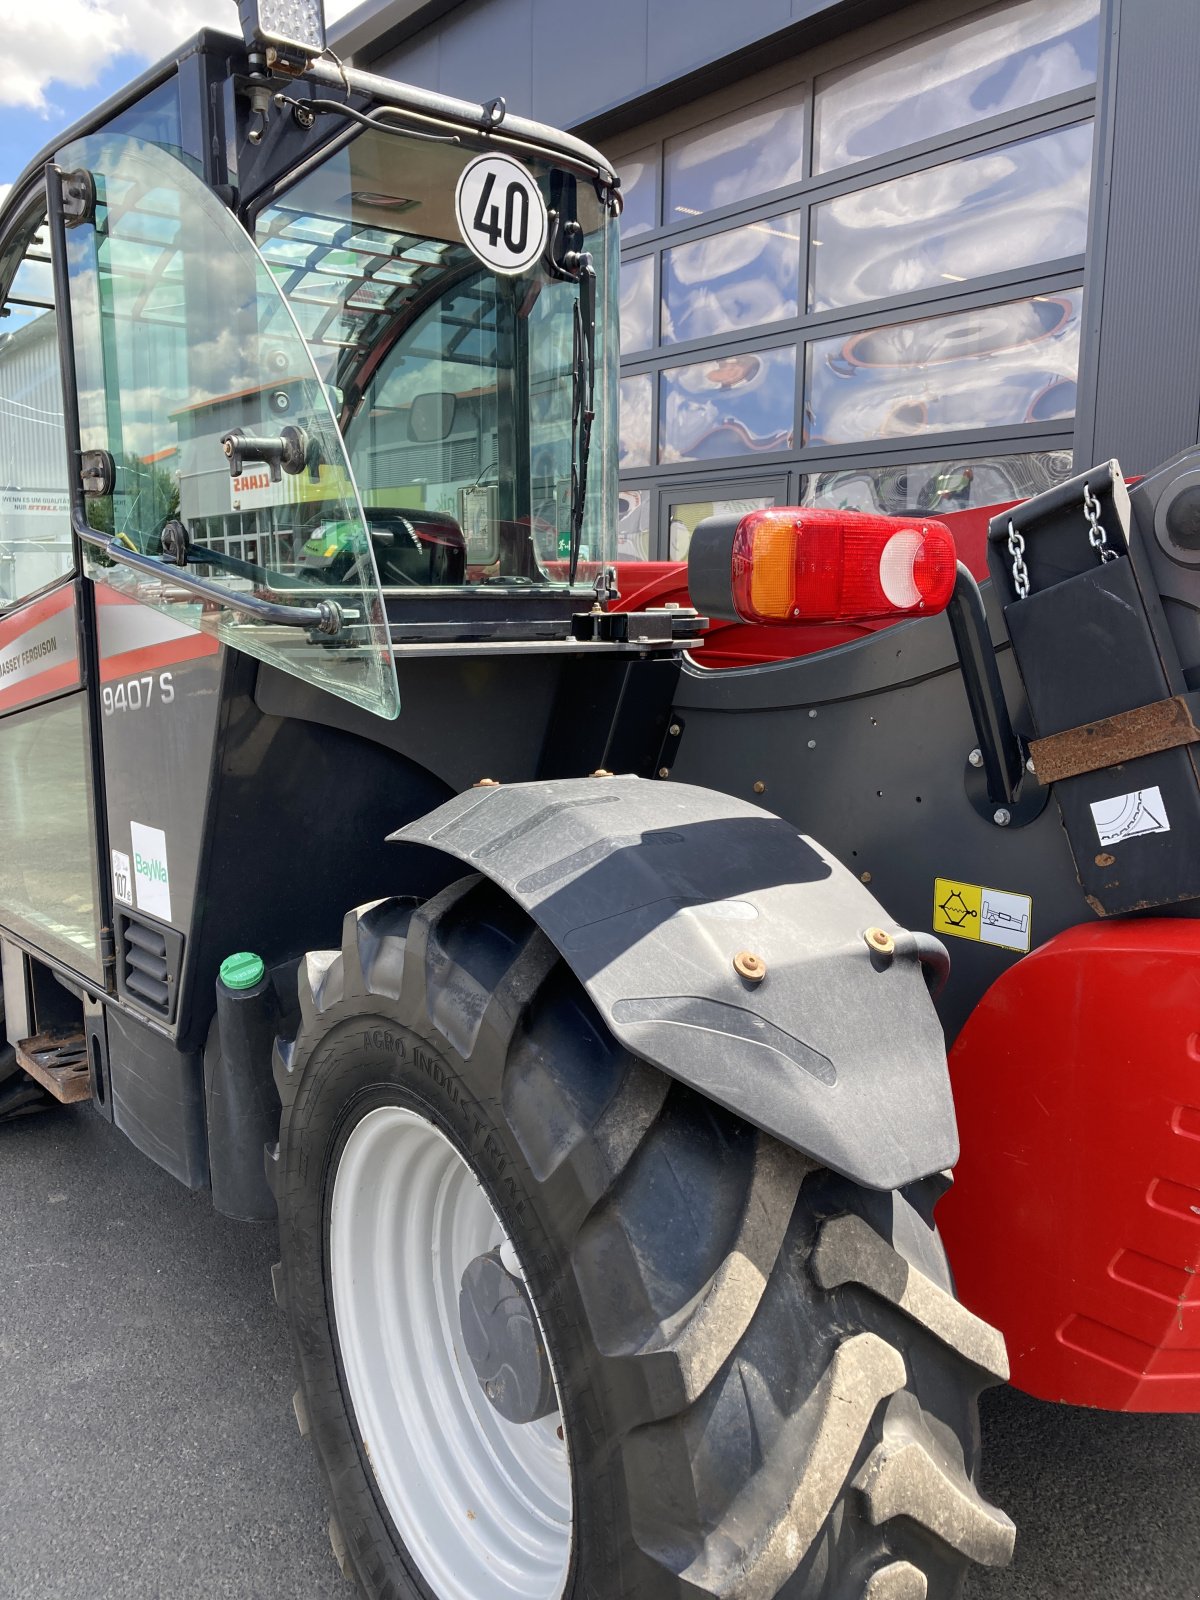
{"x":649,"y":890}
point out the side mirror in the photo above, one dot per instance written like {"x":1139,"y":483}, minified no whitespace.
{"x":432,"y":417}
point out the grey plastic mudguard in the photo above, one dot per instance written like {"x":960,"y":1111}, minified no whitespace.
{"x":648,"y":890}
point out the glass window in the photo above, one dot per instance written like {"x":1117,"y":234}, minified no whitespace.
{"x":736,"y":279}
{"x":1005,"y":208}
{"x":748,"y":152}
{"x":633,"y":526}
{"x":686,"y":516}
{"x":182,"y":338}
{"x":939,"y":486}
{"x":454,"y":383}
{"x":984,"y":368}
{"x":637,"y":304}
{"x":47,"y":868}
{"x":636,"y":401}
{"x":738,"y":405}
{"x":639,"y":186}
{"x":1010,"y":56}
{"x":35,"y":518}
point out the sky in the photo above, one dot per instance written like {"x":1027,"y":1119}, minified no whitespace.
{"x":62,"y":57}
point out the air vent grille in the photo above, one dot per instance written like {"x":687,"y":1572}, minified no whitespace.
{"x":146,"y":968}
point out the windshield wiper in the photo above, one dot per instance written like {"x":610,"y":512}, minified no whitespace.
{"x":583,"y":400}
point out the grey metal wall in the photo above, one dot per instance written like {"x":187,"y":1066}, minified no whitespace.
{"x":1140,"y":389}
{"x":569,"y":62}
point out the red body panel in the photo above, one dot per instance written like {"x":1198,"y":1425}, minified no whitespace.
{"x":643,"y":584}
{"x":1074,"y":1220}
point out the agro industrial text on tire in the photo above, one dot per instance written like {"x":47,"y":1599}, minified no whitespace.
{"x":566,"y":1329}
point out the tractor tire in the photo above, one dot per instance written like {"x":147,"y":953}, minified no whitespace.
{"x":761,"y":1379}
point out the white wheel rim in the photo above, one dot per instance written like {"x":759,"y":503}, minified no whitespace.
{"x":482,"y":1504}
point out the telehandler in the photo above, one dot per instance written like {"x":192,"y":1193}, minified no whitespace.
{"x":355,"y":865}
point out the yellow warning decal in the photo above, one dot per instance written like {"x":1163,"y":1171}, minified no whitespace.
{"x":989,"y":916}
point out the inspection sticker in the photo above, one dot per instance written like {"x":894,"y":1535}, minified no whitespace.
{"x":1129,"y":816}
{"x":989,"y":916}
{"x":150,"y":878}
{"x":122,"y":879}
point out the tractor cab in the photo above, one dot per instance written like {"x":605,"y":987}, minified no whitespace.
{"x":371,"y":401}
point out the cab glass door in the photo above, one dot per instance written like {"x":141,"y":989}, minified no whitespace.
{"x":189,"y":361}
{"x":48,"y":882}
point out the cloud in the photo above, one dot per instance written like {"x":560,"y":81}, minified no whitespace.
{"x":72,"y":41}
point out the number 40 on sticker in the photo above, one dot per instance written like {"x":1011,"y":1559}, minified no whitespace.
{"x":501,"y":213}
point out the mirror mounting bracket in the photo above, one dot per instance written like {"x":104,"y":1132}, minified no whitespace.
{"x":287,"y":453}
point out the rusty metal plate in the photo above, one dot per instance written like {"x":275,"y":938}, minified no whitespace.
{"x":1164,"y":725}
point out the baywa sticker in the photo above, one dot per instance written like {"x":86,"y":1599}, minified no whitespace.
{"x":989,"y":916}
{"x":150,"y":879}
{"x":501,"y":213}
{"x":1129,"y":816}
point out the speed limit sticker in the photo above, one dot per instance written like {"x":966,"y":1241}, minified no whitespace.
{"x":501,"y":213}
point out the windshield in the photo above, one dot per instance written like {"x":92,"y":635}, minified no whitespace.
{"x":460,"y":387}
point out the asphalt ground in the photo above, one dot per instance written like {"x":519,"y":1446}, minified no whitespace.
{"x":148,"y":1448}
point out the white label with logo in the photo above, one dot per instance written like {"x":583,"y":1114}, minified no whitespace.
{"x":150,"y":878}
{"x":501,"y":213}
{"x":1129,"y":816}
{"x":122,"y":878}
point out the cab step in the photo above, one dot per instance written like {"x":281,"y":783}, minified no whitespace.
{"x":58,"y":1061}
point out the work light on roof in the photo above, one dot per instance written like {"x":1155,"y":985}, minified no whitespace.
{"x":288,"y":25}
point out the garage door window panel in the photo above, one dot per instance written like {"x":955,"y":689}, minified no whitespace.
{"x":738,"y":278}
{"x":730,"y":160}
{"x":998,"y":211}
{"x":639,"y":190}
{"x":993,"y":366}
{"x":739,"y":405}
{"x":637,"y":420}
{"x":637,"y":304}
{"x":938,"y":487}
{"x":985,"y":66}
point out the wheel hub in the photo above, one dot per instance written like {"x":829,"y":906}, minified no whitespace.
{"x":504,"y":1341}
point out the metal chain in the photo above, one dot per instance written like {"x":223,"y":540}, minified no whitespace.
{"x":1020,"y":572}
{"x":1097,"y":537}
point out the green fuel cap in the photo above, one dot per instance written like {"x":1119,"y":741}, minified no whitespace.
{"x":242,"y":971}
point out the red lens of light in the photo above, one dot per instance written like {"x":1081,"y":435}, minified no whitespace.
{"x":793,"y":566}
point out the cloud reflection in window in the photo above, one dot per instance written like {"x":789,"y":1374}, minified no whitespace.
{"x":1005,"y":208}
{"x":738,"y":405}
{"x":983,"y":368}
{"x":736,"y":279}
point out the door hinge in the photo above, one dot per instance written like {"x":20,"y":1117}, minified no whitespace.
{"x":97,"y":473}
{"x":78,"y":197}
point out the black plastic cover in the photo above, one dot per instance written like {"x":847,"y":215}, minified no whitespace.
{"x":1091,"y":641}
{"x":710,"y":566}
{"x":648,"y":890}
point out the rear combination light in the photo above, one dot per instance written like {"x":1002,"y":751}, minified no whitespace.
{"x":788,"y":565}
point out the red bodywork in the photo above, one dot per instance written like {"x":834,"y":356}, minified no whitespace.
{"x":1074,"y":1220}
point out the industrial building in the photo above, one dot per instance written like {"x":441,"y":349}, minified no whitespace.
{"x":893,"y":257}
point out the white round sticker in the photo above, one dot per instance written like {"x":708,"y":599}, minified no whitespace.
{"x":501,"y":213}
